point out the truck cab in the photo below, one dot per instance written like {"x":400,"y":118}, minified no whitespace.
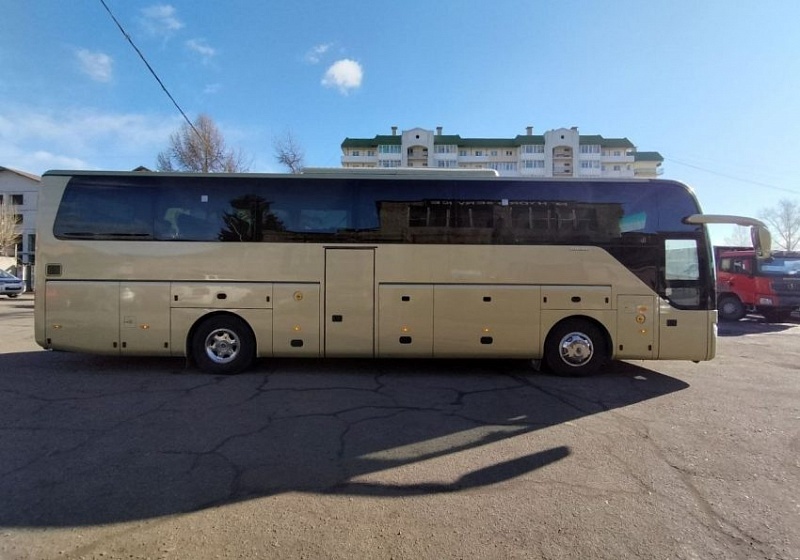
{"x":749,"y":283}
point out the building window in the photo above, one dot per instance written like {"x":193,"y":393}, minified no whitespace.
{"x":534,"y":164}
{"x":355,"y":153}
{"x":533,"y":149}
{"x":509,"y":153}
{"x":389,"y":149}
{"x":617,"y":168}
{"x":462,"y":153}
{"x":494,"y":153}
{"x":590,"y":148}
{"x":508,"y":166}
{"x":444,"y":149}
{"x":479,"y":153}
{"x":17,"y":199}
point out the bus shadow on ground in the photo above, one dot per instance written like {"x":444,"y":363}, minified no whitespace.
{"x":91,"y":440}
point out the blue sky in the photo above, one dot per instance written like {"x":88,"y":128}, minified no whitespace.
{"x":713,"y":85}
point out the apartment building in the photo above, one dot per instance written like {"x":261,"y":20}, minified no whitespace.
{"x":563,"y":152}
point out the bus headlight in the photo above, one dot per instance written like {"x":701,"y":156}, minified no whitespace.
{"x":765,"y":301}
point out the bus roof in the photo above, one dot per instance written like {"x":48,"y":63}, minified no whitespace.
{"x":366,"y":173}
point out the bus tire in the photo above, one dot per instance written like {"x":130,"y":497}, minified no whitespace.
{"x":730,"y":308}
{"x":223,"y":344}
{"x":576,"y":348}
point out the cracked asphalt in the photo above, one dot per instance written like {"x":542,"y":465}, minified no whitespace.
{"x":129,"y":458}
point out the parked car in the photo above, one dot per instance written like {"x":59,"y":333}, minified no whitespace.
{"x":10,"y":285}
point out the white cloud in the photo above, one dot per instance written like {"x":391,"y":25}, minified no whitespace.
{"x":345,"y":75}
{"x":34,"y":139}
{"x":202,"y":48}
{"x":314,"y":55}
{"x":96,"y":65}
{"x":160,"y":20}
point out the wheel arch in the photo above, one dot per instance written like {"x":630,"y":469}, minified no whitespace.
{"x":187,"y":343}
{"x":607,"y":339}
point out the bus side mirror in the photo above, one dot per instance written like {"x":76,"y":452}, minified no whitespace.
{"x":762,"y":241}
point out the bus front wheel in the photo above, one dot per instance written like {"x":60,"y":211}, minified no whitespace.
{"x":575,"y":347}
{"x":223,"y":344}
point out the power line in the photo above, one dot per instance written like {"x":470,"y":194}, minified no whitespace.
{"x":150,"y":68}
{"x":760,"y":184}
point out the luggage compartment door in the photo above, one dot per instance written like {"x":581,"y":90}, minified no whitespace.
{"x":350,"y":302}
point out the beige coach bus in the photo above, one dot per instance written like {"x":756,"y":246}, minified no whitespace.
{"x":227,"y":268}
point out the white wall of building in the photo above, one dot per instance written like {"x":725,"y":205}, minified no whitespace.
{"x":15,"y":185}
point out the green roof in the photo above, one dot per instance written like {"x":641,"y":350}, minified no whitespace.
{"x":457,"y":140}
{"x":527,"y":139}
{"x":596,"y":139}
{"x":448,"y":139}
{"x":647,"y":156}
{"x":379,"y":140}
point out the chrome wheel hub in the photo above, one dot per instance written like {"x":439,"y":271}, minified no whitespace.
{"x":222,"y":346}
{"x":576,"y":349}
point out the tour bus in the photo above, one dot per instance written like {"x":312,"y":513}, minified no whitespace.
{"x":226,"y":268}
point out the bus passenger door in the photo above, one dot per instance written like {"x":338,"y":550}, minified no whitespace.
{"x":349,"y":302}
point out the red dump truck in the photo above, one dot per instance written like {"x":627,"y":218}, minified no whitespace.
{"x":747,"y":283}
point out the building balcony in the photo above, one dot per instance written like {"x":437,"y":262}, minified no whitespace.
{"x":473,"y":159}
{"x":617,"y":159}
{"x":626,"y":173}
{"x":359,"y":159}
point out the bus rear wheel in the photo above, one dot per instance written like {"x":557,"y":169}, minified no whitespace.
{"x":223,"y":345}
{"x":575,"y":347}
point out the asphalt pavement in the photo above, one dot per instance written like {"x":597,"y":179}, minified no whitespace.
{"x":114,"y":458}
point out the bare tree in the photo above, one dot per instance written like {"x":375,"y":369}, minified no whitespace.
{"x":9,"y":228}
{"x":784,"y":224}
{"x":200,"y":148}
{"x":288,"y":152}
{"x":739,"y":237}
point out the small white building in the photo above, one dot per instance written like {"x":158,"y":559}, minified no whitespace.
{"x":21,"y":191}
{"x":563,"y":152}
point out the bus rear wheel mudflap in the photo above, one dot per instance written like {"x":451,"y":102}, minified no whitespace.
{"x":575,"y":347}
{"x":223,"y":344}
{"x":730,"y":308}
